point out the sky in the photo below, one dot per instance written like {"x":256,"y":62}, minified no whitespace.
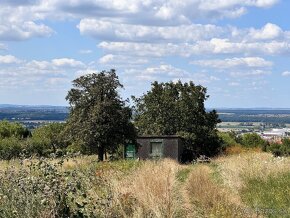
{"x":238,"y":49}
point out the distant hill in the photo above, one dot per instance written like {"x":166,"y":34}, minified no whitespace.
{"x":264,"y":115}
{"x":33,"y":112}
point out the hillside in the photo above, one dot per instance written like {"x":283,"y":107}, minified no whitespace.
{"x":245,"y":185}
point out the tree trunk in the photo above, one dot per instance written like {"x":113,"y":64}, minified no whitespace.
{"x":101,"y":153}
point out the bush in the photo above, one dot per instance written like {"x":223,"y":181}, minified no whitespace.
{"x":251,"y":140}
{"x":228,"y":139}
{"x":280,"y":149}
{"x":10,"y":148}
{"x":9,"y":129}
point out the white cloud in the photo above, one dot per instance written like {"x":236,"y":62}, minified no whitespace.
{"x":67,"y":62}
{"x":108,"y":30}
{"x":86,"y":51}
{"x":269,"y":31}
{"x":234,"y":84}
{"x":3,"y":46}
{"x":250,"y":74}
{"x":22,"y":31}
{"x":122,"y":60}
{"x":9,"y":59}
{"x":160,"y":11}
{"x":214,"y":46}
{"x":140,"y":49}
{"x":160,"y":73}
{"x":286,"y":73}
{"x":252,"y":62}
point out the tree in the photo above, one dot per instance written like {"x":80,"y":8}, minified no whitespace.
{"x":48,"y":139}
{"x":98,"y":116}
{"x":177,"y":108}
{"x":13,"y":129}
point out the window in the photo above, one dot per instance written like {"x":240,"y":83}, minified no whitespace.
{"x":156,"y":149}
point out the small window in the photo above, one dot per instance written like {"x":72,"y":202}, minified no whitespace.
{"x":156,"y":149}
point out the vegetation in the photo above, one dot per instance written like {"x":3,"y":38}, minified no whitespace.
{"x":42,"y":176}
{"x":280,"y":149}
{"x":99,"y":118}
{"x":178,"y":109}
{"x":248,"y":185}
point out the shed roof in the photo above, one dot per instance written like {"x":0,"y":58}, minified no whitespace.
{"x":158,"y":136}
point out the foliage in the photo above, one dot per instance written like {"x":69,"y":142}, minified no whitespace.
{"x":49,"y":136}
{"x":252,"y":140}
{"x":12,"y":129}
{"x":228,"y":139}
{"x":10,"y":148}
{"x":98,"y":116}
{"x":176,"y":108}
{"x":280,"y":149}
{"x":50,"y":188}
{"x":43,"y":190}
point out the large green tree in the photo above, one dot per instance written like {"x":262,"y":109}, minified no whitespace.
{"x":99,"y":118}
{"x":178,"y":108}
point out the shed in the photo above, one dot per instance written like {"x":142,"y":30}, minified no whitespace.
{"x":165,"y":146}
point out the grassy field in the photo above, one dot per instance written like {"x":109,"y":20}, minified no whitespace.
{"x":244,"y":185}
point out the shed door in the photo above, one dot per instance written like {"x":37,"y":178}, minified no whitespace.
{"x":156,"y":149}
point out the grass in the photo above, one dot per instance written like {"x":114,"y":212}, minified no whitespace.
{"x":270,"y":197}
{"x":251,"y":184}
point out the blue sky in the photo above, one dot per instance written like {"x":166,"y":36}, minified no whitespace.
{"x":238,"y":49}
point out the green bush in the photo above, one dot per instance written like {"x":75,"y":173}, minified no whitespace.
{"x":44,"y":188}
{"x":10,"y":148}
{"x":280,"y":149}
{"x":228,"y":139}
{"x":251,"y":140}
{"x":13,"y":129}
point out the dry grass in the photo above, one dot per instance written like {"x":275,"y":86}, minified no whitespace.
{"x":205,"y":198}
{"x":236,"y":169}
{"x":239,"y":149}
{"x":151,"y":189}
{"x":167,"y":189}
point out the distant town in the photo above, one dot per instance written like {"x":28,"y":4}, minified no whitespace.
{"x":271,"y":124}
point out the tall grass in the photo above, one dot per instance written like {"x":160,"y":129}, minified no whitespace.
{"x":152,"y":188}
{"x":270,"y":197}
{"x":232,"y":186}
{"x":208,"y":199}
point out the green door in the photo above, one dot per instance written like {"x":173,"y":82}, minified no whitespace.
{"x":130,"y":151}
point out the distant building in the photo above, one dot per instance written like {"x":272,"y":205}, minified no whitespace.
{"x":275,"y":135}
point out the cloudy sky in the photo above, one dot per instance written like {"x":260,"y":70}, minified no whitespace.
{"x":238,"y":49}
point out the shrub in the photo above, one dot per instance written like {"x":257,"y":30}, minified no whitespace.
{"x":251,"y":140}
{"x":42,"y":189}
{"x":10,"y":148}
{"x":280,"y":149}
{"x":9,"y":129}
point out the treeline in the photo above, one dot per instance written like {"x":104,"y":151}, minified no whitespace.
{"x":17,"y":141}
{"x":232,"y":142}
{"x":100,"y":121}
{"x":255,"y":118}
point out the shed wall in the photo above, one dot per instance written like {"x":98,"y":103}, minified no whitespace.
{"x":172,"y":147}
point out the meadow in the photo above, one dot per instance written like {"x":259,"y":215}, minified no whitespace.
{"x":251,"y":184}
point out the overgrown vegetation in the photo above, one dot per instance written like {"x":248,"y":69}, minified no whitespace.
{"x":248,"y":185}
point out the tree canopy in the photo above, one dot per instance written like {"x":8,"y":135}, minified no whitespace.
{"x":99,"y":118}
{"x":13,"y":129}
{"x":178,"y":109}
